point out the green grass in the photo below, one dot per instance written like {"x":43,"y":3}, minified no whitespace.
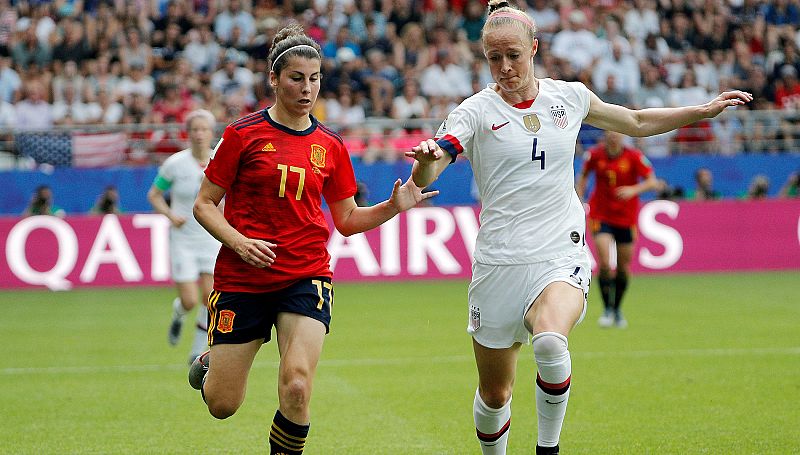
{"x":709,"y":364}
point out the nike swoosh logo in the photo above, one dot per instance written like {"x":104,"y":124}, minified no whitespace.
{"x":557,"y":402}
{"x":497,"y":127}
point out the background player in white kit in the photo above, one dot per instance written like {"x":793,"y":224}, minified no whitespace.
{"x":531,"y":269}
{"x":193,"y":251}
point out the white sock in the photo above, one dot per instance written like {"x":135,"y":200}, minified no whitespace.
{"x":492,"y":426}
{"x":200,"y":343}
{"x":177,"y":308}
{"x":552,"y":385}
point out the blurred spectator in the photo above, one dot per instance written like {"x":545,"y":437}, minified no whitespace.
{"x":234,"y":16}
{"x":728,"y":134}
{"x":107,"y":202}
{"x":134,"y":53}
{"x":787,"y":138}
{"x":29,"y":51}
{"x":445,"y":78}
{"x":440,"y":17}
{"x":174,"y":16}
{"x":792,"y":186}
{"x":546,"y":17}
{"x":410,"y":104}
{"x":111,"y":112}
{"x":381,"y":80}
{"x":172,"y":107}
{"x":652,"y":92}
{"x":641,"y":19}
{"x":342,"y":111}
{"x":74,"y":46}
{"x":668,"y":192}
{"x":34,"y":112}
{"x":10,"y":82}
{"x":168,"y":50}
{"x":403,"y":13}
{"x":42,"y":203}
{"x":577,"y":44}
{"x":759,"y":188}
{"x":72,"y":111}
{"x":474,"y":18}
{"x":234,"y":79}
{"x":68,"y":77}
{"x":338,"y":41}
{"x":137,"y":82}
{"x":362,"y":14}
{"x":410,"y":50}
{"x":362,"y":194}
{"x":611,"y":93}
{"x":787,"y":89}
{"x":202,"y":51}
{"x":137,"y":110}
{"x":374,"y":40}
{"x":704,"y":186}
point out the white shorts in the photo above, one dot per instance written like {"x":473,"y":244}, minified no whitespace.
{"x":190,"y":260}
{"x":500,"y":295}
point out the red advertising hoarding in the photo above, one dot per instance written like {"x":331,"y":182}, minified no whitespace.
{"x":423,"y":243}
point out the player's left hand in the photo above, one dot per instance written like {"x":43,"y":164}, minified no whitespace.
{"x":728,"y":99}
{"x":626,"y":192}
{"x":408,"y":195}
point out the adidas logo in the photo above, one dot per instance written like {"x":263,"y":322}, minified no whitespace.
{"x":268,"y":148}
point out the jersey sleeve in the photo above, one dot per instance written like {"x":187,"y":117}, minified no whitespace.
{"x":457,"y":130}
{"x":583,"y":95}
{"x":643,"y":165}
{"x":166,"y":175}
{"x":224,"y":163}
{"x":341,"y":184}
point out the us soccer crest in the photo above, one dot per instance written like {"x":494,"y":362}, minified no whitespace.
{"x":559,"y":115}
{"x":532,"y":122}
{"x":318,"y":155}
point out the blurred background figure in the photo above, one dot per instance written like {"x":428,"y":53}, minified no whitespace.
{"x":704,"y":186}
{"x":42,"y":203}
{"x":792,"y":186}
{"x":193,"y":251}
{"x":107,"y":202}
{"x":759,"y":188}
{"x":621,"y":174}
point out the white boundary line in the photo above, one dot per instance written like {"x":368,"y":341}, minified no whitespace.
{"x":712,"y":352}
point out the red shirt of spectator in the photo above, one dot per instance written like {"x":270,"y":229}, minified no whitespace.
{"x":611,"y":172}
{"x":274,"y":179}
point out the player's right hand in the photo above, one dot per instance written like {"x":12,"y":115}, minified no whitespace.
{"x":256,"y":252}
{"x":178,"y":221}
{"x":426,"y":152}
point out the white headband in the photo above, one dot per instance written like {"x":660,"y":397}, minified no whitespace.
{"x":287,"y":50}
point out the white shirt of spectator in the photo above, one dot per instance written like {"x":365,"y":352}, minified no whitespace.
{"x":451,"y":81}
{"x":8,"y":115}
{"x":578,"y":47}
{"x":185,"y":174}
{"x":34,"y":116}
{"x":529,"y":206}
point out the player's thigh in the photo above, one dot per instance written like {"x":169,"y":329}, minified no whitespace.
{"x":603,"y":242}
{"x":497,"y":369}
{"x":229,"y":365}
{"x":557,"y":309}
{"x":624,"y":256}
{"x":300,"y":340}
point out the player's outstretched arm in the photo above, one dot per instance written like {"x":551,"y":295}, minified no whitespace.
{"x":652,"y":121}
{"x":253,"y":251}
{"x":350,"y":219}
{"x":431,"y":160}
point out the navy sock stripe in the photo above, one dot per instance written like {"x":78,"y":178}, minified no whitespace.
{"x":553,"y":389}
{"x":494,"y":436}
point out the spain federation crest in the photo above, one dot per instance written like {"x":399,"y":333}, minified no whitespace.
{"x":532,"y":122}
{"x":318,"y":155}
{"x":225,"y":322}
{"x":559,"y":115}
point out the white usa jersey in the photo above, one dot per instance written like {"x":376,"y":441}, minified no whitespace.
{"x":181,"y":174}
{"x":522,"y":159}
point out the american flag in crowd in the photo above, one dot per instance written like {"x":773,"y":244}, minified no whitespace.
{"x":73,"y":149}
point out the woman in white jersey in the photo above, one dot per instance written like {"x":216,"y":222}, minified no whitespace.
{"x":531,"y":268}
{"x":193,"y":251}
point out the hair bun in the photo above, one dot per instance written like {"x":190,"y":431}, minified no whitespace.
{"x":495,"y":5}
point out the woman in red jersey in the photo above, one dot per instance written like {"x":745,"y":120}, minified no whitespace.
{"x":622,"y":173}
{"x":274,"y":167}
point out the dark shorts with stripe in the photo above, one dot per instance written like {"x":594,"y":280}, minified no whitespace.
{"x":241,"y":317}
{"x":621,"y":234}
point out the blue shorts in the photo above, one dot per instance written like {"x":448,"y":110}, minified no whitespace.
{"x":241,"y":317}
{"x":621,"y":234}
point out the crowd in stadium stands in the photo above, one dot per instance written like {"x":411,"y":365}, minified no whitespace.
{"x":73,"y":62}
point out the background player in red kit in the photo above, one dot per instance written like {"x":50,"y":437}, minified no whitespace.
{"x":274,"y":167}
{"x":622,"y":173}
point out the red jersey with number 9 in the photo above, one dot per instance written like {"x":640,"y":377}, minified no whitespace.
{"x":274,"y":180}
{"x":611,"y":173}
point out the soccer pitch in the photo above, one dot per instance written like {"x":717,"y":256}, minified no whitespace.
{"x":709,"y":364}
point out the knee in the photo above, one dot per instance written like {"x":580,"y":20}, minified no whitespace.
{"x":549,"y":345}
{"x":222,"y":409}
{"x":295,"y":390}
{"x":603,"y":270}
{"x":495,"y":397}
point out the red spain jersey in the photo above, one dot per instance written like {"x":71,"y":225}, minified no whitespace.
{"x":274,"y":180}
{"x":625,"y":169}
